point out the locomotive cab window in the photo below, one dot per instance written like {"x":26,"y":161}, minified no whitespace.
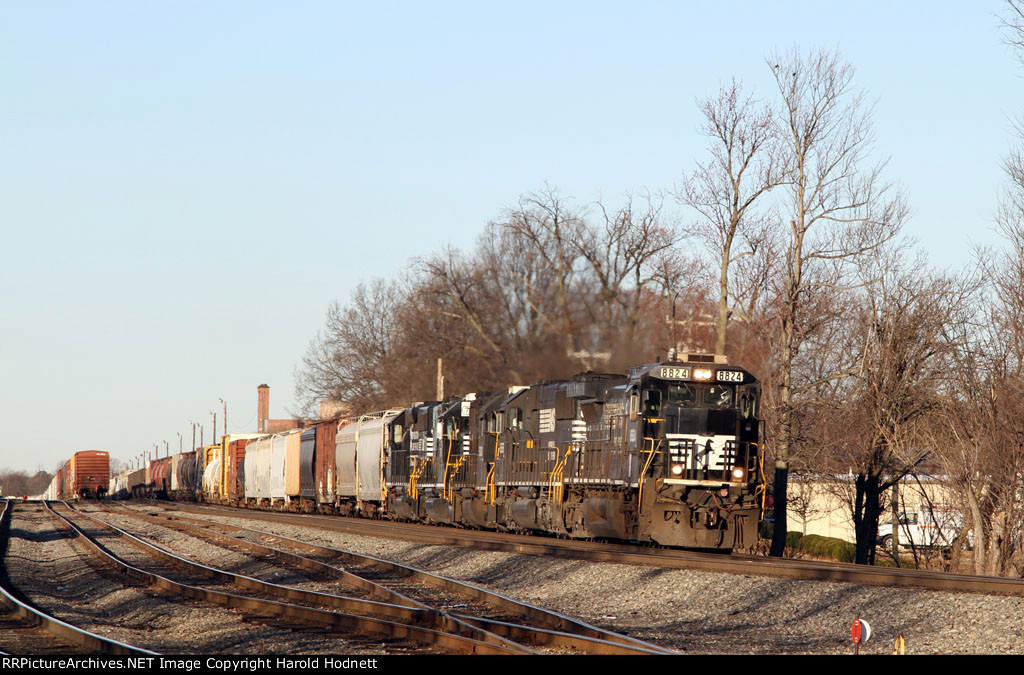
{"x":681,"y":395}
{"x":718,"y":397}
{"x":652,"y":402}
{"x":748,"y":404}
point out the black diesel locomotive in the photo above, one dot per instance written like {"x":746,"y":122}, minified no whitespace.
{"x":668,"y":453}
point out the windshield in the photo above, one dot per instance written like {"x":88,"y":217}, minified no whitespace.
{"x":718,"y":397}
{"x":688,"y":395}
{"x":681,"y":394}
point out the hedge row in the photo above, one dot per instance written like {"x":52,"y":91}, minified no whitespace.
{"x":816,"y":545}
{"x":823,"y":547}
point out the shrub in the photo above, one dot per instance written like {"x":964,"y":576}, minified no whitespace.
{"x":827,"y":547}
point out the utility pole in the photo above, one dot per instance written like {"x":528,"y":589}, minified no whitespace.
{"x":440,"y":380}
{"x":213,"y":437}
{"x":225,"y":416}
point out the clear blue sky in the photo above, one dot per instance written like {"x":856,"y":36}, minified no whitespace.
{"x":185,"y":186}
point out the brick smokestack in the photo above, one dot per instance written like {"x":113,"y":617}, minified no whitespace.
{"x":262,"y":408}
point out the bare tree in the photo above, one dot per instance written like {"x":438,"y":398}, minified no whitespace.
{"x":981,"y":449}
{"x":1013,"y":23}
{"x":980,"y":443}
{"x":346,"y":360}
{"x":551,"y":227}
{"x":621,"y":254}
{"x":982,"y":412}
{"x":904,"y":335}
{"x":744,"y":165}
{"x":836,"y":210}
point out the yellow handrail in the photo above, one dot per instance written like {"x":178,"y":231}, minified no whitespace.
{"x":447,"y":465}
{"x":643,"y":474}
{"x":490,"y":496}
{"x":455,"y":469}
{"x":555,"y":495}
{"x":417,"y":471}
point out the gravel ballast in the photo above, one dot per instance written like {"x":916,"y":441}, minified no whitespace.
{"x":60,"y":578}
{"x":698,"y":612}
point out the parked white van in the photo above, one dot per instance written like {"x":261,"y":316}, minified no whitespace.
{"x":936,"y":528}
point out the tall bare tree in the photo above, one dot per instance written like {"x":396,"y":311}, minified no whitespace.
{"x":836,"y":211}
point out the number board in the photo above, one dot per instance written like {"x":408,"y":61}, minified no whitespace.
{"x":730,"y":376}
{"x":670,"y":373}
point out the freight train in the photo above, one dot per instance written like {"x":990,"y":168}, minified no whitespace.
{"x":668,"y":453}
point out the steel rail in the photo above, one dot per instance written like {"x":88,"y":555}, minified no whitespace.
{"x":562,"y":623}
{"x":806,"y":570}
{"x":515,"y":632}
{"x":60,"y":629}
{"x":394,"y":604}
{"x":416,"y":611}
{"x":362,"y":624}
{"x":552,"y":638}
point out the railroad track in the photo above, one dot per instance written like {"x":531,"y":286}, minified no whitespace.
{"x":387,"y":599}
{"x":25,"y":629}
{"x":808,"y":570}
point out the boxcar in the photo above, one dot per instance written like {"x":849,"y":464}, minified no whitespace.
{"x":87,"y":474}
{"x":325,"y":472}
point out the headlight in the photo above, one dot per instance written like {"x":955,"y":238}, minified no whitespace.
{"x":677,"y":469}
{"x":702,"y":374}
{"x":737,"y":474}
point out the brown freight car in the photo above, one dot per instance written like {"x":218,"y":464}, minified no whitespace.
{"x":326,"y":471}
{"x":87,"y":475}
